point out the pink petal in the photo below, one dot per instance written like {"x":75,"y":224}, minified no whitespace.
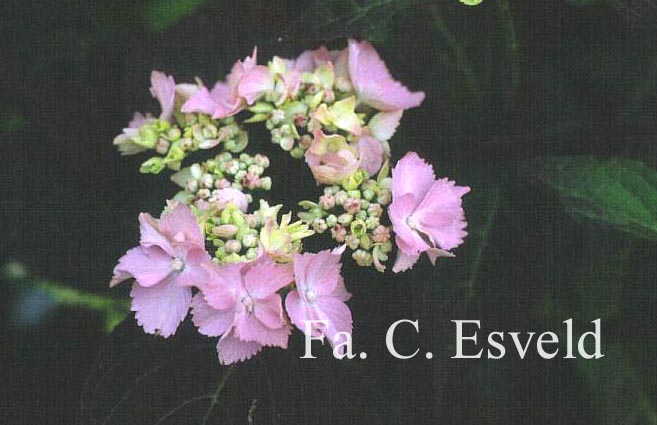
{"x":318,"y":272}
{"x":269,"y":311}
{"x":299,"y":312}
{"x":441,"y":215}
{"x":232,"y":350}
{"x":201,"y":101}
{"x":210,"y":321}
{"x":373,"y":83}
{"x":384,"y":124}
{"x":163,"y":88}
{"x":149,"y":266}
{"x":404,"y":261}
{"x":195,"y":272}
{"x":139,"y":119}
{"x":151,"y":234}
{"x":222,"y":286}
{"x":338,"y":316}
{"x":264,"y":277}
{"x":407,"y":239}
{"x":412,"y":175}
{"x":230,"y":195}
{"x":255,"y":83}
{"x":249,"y":328}
{"x":371,"y":154}
{"x":161,"y":308}
{"x":180,"y":223}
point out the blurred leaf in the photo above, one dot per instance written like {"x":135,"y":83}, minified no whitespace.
{"x":621,"y":193}
{"x":12,"y":123}
{"x":617,"y":390}
{"x":145,"y":380}
{"x":40,"y":296}
{"x":161,"y":14}
{"x":471,"y":2}
{"x":331,"y":19}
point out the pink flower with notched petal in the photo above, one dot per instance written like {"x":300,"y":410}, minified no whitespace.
{"x":169,"y":259}
{"x":426,"y":214}
{"x":320,"y":295}
{"x":331,"y":158}
{"x":245,"y":84}
{"x":373,"y":83}
{"x":239,"y":302}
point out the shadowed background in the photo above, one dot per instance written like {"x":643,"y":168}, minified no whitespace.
{"x":548,"y":110}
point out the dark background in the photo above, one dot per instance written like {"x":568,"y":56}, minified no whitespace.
{"x":511,"y":88}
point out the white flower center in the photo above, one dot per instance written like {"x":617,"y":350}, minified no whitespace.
{"x":177,"y":264}
{"x":247,"y":301}
{"x":412,"y":222}
{"x":311,"y":295}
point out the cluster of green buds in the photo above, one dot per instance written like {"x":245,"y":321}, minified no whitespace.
{"x":237,"y":236}
{"x":172,"y":142}
{"x":353,"y":212}
{"x":320,"y":102}
{"x":203,"y":182}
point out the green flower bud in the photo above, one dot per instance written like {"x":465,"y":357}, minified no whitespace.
{"x":358,"y":227}
{"x":353,"y":181}
{"x":368,"y":194}
{"x":366,"y":242}
{"x":345,"y":219}
{"x":297,"y":152}
{"x":153,"y":165}
{"x":331,"y":220}
{"x":261,"y":108}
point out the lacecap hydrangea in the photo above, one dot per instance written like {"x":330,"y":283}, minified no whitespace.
{"x":237,"y":262}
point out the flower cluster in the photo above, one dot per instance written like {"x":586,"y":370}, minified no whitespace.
{"x":242,"y":270}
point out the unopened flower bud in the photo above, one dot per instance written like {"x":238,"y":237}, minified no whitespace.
{"x":256,"y":169}
{"x":297,"y":152}
{"x":162,"y":146}
{"x":192,"y":186}
{"x":327,"y":201}
{"x":232,"y":166}
{"x":225,"y":231}
{"x":341,"y":197}
{"x":352,"y":241}
{"x":174,"y":134}
{"x":319,"y":225}
{"x":381,"y":234}
{"x":265,"y":183}
{"x":331,"y":220}
{"x":287,"y":143}
{"x":203,"y":193}
{"x":277,"y":116}
{"x":207,"y":181}
{"x":250,"y":240}
{"x":368,"y":194}
{"x":221,"y":183}
{"x":338,"y":232}
{"x":375,"y":210}
{"x":362,"y":258}
{"x":345,"y":219}
{"x":384,"y":197}
{"x":251,"y":253}
{"x":351,"y":205}
{"x":366,"y":242}
{"x":262,"y":160}
{"x":329,"y":96}
{"x":305,"y":141}
{"x":233,"y":246}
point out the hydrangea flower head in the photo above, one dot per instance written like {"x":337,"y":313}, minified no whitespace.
{"x":240,"y":303}
{"x":320,"y":295}
{"x":426,"y":213}
{"x":170,"y":257}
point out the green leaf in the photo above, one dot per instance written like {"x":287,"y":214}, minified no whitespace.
{"x":471,"y":2}
{"x":620,"y":193}
{"x":161,"y":14}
